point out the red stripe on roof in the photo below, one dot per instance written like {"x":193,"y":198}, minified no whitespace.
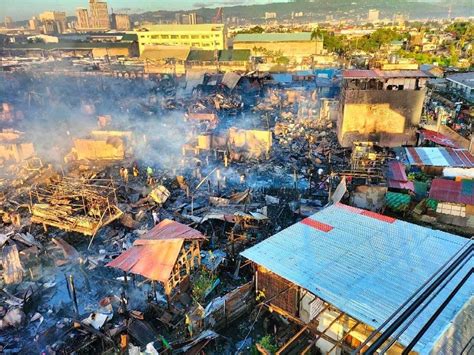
{"x":323,"y":227}
{"x":378,"y":216}
{"x":415,"y":156}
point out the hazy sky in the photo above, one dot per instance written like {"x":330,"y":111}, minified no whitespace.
{"x":24,"y":9}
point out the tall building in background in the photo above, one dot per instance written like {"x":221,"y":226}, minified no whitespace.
{"x":34,"y":24}
{"x":82,"y":18}
{"x":53,"y":21}
{"x":373,"y":15}
{"x":99,"y":15}
{"x":121,"y":22}
{"x":8,"y":22}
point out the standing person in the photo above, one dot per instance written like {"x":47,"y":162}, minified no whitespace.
{"x":135,"y":171}
{"x":122,"y":173}
{"x":125,"y":175}
{"x":149,"y":173}
{"x":156,"y":217}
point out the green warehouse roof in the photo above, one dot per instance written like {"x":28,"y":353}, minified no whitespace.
{"x":273,"y":37}
{"x":228,"y":55}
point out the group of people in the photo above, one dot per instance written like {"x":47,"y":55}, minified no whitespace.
{"x":124,"y":173}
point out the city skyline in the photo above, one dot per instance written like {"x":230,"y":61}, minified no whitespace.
{"x":31,"y":8}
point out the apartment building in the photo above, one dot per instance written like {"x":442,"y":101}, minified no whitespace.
{"x":205,"y":36}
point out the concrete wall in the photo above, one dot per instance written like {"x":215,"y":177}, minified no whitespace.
{"x":289,"y":49}
{"x":385,"y":116}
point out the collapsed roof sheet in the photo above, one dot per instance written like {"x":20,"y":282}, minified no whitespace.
{"x":439,"y":157}
{"x":366,"y":265}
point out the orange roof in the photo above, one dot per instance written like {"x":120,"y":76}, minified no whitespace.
{"x":155,"y":254}
{"x":168,"y":229}
{"x":154,"y":261}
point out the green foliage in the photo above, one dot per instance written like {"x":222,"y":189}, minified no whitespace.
{"x":429,"y":58}
{"x":267,"y":343}
{"x":420,"y":176}
{"x":255,"y":29}
{"x":201,"y":283}
{"x":282,"y":60}
{"x":461,"y":29}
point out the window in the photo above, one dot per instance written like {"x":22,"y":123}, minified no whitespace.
{"x":205,"y":36}
{"x":174,"y":36}
{"x":165,"y":37}
{"x":155,"y":37}
{"x":184,"y":36}
{"x":194,"y":36}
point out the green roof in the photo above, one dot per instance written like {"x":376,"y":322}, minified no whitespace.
{"x":226,"y":55}
{"x":129,"y":37}
{"x":273,"y":37}
{"x":397,"y":201}
{"x":201,"y":55}
{"x":229,"y":55}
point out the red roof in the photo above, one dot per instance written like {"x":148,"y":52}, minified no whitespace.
{"x":453,"y":191}
{"x":438,"y":138}
{"x":397,"y":177}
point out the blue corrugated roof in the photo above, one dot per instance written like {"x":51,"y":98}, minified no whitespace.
{"x":366,"y":266}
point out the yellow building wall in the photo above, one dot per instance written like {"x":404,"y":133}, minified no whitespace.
{"x":372,"y":118}
{"x":205,"y":37}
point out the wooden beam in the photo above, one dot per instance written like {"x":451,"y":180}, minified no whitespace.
{"x":289,"y":342}
{"x":344,"y":337}
{"x":322,"y":334}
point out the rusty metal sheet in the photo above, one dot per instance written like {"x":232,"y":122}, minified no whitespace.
{"x":168,"y":229}
{"x":153,"y":261}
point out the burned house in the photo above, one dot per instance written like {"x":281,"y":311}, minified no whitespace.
{"x":234,"y":144}
{"x":168,"y":253}
{"x":344,"y":274}
{"x":14,"y":147}
{"x":100,"y":145}
{"x":381,"y":106}
{"x":74,"y":205}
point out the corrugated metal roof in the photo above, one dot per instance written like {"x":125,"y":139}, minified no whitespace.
{"x":230,"y":55}
{"x":273,"y":37}
{"x":153,"y":261}
{"x":160,"y":52}
{"x":439,"y":156}
{"x":437,"y":138}
{"x":366,"y":266}
{"x":202,"y":55}
{"x":385,"y":74}
{"x":453,"y":191}
{"x":155,"y":254}
{"x":168,"y":229}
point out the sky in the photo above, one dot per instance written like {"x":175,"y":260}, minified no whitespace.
{"x":25,"y":9}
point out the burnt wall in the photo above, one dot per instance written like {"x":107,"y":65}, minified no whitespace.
{"x":386,"y":116}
